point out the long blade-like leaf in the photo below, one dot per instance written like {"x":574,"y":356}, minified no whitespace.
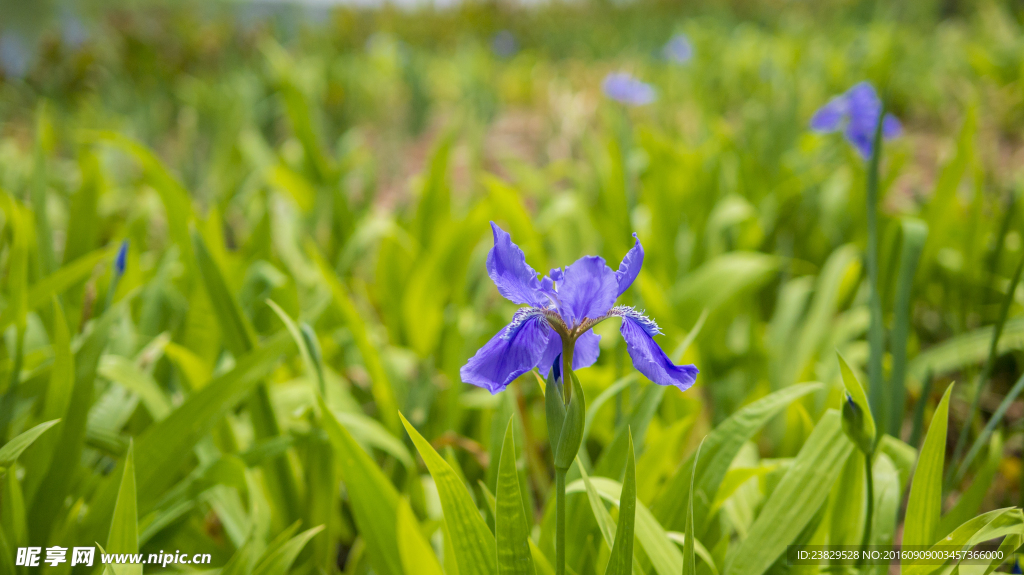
{"x":924,"y":506}
{"x":511,"y":528}
{"x":621,"y":560}
{"x":472,"y":541}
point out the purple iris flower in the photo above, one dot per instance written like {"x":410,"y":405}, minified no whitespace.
{"x":678,"y":49}
{"x":626,"y":89}
{"x":561,"y":311}
{"x":856,"y":113}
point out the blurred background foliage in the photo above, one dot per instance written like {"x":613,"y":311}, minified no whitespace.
{"x":344,"y":163}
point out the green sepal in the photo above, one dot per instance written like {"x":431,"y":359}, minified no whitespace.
{"x":554,"y":409}
{"x":858,"y":422}
{"x":571,"y":436}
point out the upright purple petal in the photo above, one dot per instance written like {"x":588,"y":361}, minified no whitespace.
{"x":515,"y":350}
{"x":588,"y":289}
{"x":507,"y":267}
{"x":630,"y":267}
{"x":864,"y":103}
{"x":830,"y":117}
{"x":585,"y":353}
{"x":647,"y":355}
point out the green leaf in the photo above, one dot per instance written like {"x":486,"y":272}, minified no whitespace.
{"x":721,"y":279}
{"x":689,"y":562}
{"x":243,"y":561}
{"x":126,"y":373}
{"x":604,"y":519}
{"x":238,"y":333}
{"x":888,"y":497}
{"x":914,"y":233}
{"x":280,"y":560}
{"x":56,"y":484}
{"x":994,"y":421}
{"x":124,"y":526}
{"x":971,"y":499}
{"x":416,"y":553}
{"x":511,"y":527}
{"x":175,"y":197}
{"x":720,"y":448}
{"x":11,"y":450}
{"x":372,"y":497}
{"x":620,"y":562}
{"x":924,"y":506}
{"x":383,"y":393}
{"x":984,"y":527}
{"x":13,"y":524}
{"x":796,"y":499}
{"x":657,"y":544}
{"x":472,"y":542}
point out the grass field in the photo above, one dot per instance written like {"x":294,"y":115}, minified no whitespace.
{"x":246,"y":259}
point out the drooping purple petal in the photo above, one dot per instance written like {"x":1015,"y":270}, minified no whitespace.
{"x":515,"y":350}
{"x":862,"y":140}
{"x":588,"y":290}
{"x":626,"y":89}
{"x":507,"y":267}
{"x":587,"y":350}
{"x":648,"y":357}
{"x":585,"y":353}
{"x":891,"y":127}
{"x":630,"y":267}
{"x":830,"y":117}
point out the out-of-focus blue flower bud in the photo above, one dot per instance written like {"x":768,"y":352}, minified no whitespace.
{"x":121,"y":260}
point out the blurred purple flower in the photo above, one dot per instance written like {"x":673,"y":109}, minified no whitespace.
{"x":504,"y":44}
{"x":678,"y":49}
{"x":561,"y":311}
{"x":15,"y":56}
{"x":626,"y":89}
{"x":73,"y":32}
{"x":856,"y":114}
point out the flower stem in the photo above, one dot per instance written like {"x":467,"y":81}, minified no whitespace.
{"x":568,"y":346}
{"x":560,"y":521}
{"x":866,"y":538}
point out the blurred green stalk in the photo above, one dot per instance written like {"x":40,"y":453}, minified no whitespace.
{"x":876,"y":335}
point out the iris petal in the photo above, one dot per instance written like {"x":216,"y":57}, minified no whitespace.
{"x":891,"y":127}
{"x":630,"y":267}
{"x":829,"y":117}
{"x":515,"y":350}
{"x":648,"y":357}
{"x":507,"y":267}
{"x":588,"y":289}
